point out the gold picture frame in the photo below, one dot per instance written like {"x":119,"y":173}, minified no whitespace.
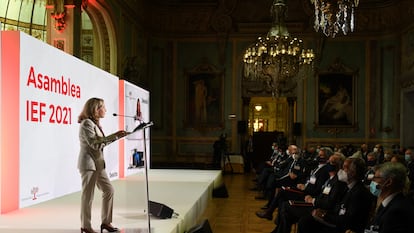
{"x":336,"y":98}
{"x":204,"y":97}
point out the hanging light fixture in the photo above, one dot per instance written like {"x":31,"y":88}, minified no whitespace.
{"x":277,"y":58}
{"x":333,"y":16}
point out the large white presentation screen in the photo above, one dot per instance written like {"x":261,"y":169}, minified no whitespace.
{"x":136,"y":107}
{"x":53,"y":89}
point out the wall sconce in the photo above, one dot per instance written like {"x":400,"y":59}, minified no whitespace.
{"x":59,"y":18}
{"x":258,"y":107}
{"x":59,"y":12}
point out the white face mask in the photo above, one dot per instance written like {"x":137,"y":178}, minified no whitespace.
{"x":387,"y":156}
{"x":375,"y":149}
{"x":295,"y":156}
{"x":342,"y":176}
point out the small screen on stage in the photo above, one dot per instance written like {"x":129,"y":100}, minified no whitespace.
{"x":137,"y":159}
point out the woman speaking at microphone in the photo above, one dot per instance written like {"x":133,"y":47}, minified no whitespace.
{"x":91,"y":164}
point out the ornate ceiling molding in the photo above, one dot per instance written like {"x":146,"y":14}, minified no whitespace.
{"x":166,"y":17}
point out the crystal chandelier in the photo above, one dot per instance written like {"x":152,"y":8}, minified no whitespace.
{"x":332,"y":16}
{"x":277,"y":58}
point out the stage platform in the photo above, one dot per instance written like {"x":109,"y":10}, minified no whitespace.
{"x":185,"y":191}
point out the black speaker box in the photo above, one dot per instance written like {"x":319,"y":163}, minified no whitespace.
{"x":242,"y":127}
{"x":160,"y":210}
{"x":297,"y":129}
{"x":204,"y":227}
{"x":221,"y":192}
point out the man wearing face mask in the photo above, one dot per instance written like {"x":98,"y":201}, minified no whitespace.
{"x":269,"y":167}
{"x":267,"y":183}
{"x":352,"y":212}
{"x":332,"y":192}
{"x":371,"y":162}
{"x":318,"y":176}
{"x":395,"y":211}
{"x":293,"y":171}
{"x":379,"y":151}
{"x":387,"y":155}
{"x":312,"y":185}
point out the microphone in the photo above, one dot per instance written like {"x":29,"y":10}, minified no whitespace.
{"x":115,"y":114}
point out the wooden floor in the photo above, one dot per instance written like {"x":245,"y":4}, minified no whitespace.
{"x":236,"y":214}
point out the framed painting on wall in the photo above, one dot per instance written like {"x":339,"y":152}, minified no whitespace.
{"x":204,"y":97}
{"x":336,"y":97}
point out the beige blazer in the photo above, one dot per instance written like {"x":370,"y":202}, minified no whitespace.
{"x":92,"y":142}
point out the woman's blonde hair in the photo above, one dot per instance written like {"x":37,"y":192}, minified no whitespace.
{"x":90,"y":108}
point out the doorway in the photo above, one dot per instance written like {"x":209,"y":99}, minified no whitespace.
{"x":267,"y":114}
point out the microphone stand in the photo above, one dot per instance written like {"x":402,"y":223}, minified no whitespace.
{"x":144,"y":126}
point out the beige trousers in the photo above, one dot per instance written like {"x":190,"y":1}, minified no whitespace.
{"x":101,"y":180}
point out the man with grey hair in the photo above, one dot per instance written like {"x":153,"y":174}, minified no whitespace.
{"x":351,"y":214}
{"x":394,"y":210}
{"x":309,"y":183}
{"x":293,"y":171}
{"x":291,"y":211}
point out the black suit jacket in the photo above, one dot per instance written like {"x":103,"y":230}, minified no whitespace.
{"x":283,"y":167}
{"x":397,"y":216}
{"x":295,"y":166}
{"x":329,"y":200}
{"x":352,"y":213}
{"x":320,"y":175}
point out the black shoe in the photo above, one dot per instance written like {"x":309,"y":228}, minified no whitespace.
{"x":108,"y":227}
{"x":265,"y":207}
{"x":264,"y":214}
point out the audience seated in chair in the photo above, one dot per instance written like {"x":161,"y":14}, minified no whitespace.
{"x":311,"y":184}
{"x":394,"y":211}
{"x":290,"y":174}
{"x":332,"y":192}
{"x":352,"y":212}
